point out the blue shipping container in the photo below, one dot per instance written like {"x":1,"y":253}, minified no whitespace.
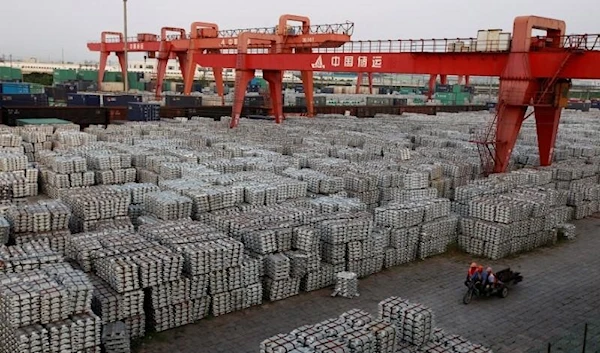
{"x":15,"y":88}
{"x":120,"y":100}
{"x":443,"y":88}
{"x":69,"y":87}
{"x":143,"y":112}
{"x":75,"y":100}
{"x":23,"y":100}
{"x":92,"y":100}
{"x":83,"y":100}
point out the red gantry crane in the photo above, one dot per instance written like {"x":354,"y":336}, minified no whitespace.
{"x":206,"y":38}
{"x":534,"y":72}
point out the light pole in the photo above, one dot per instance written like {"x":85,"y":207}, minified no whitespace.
{"x":126,"y":60}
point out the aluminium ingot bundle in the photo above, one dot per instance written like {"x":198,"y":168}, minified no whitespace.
{"x":112,"y":306}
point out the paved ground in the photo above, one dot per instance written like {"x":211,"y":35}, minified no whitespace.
{"x":559,"y":294}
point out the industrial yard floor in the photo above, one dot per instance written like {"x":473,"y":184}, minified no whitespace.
{"x":560,"y":293}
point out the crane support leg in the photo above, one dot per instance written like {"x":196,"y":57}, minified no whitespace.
{"x":242,"y":77}
{"x":546,"y":122}
{"x":102,"y":67}
{"x":444,"y":79}
{"x":218,"y":74}
{"x":188,"y":78}
{"x":359,"y":79}
{"x":275,"y":80}
{"x":182,"y":58}
{"x":432,"y":79}
{"x":467,"y":80}
{"x":370,"y":75}
{"x":509,"y":123}
{"x":308,"y":82}
{"x":161,"y":71}
{"x":121,"y":57}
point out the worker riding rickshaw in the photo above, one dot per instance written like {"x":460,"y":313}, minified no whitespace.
{"x":486,"y":283}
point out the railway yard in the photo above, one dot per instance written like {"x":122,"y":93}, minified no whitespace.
{"x":188,"y":236}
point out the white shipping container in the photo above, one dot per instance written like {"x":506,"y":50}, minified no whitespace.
{"x":112,"y":87}
{"x":481,"y":44}
{"x":211,"y":101}
{"x":504,"y":41}
{"x":493,"y":40}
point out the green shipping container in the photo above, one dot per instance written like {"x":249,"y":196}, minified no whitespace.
{"x":35,"y":88}
{"x":140,"y":86}
{"x":463,"y":98}
{"x":88,"y":75}
{"x":16,"y":74}
{"x":10,"y":74}
{"x":112,"y":77}
{"x":457,"y":88}
{"x":6,"y":74}
{"x":62,"y":75}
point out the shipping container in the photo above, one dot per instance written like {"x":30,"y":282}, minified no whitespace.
{"x":63,"y":75}
{"x":112,"y":76}
{"x":83,"y":116}
{"x":36,"y":88}
{"x":83,"y":100}
{"x":197,"y":87}
{"x":10,"y":74}
{"x":254,"y":101}
{"x":468,"y":89}
{"x":24,"y":100}
{"x":400,"y":101}
{"x":14,"y":88}
{"x":143,"y":112}
{"x":68,"y":88}
{"x":150,"y":86}
{"x":147,"y":37}
{"x":59,"y":93}
{"x":490,"y":105}
{"x":212,"y":101}
{"x":328,"y":90}
{"x":379,"y":101}
{"x":582,"y":106}
{"x":318,"y":101}
{"x":443,"y":88}
{"x":16,"y":74}
{"x":112,"y":87}
{"x":595,"y":104}
{"x":5,"y":73}
{"x":75,"y":100}
{"x":183,"y":101}
{"x":88,"y":75}
{"x":120,"y":100}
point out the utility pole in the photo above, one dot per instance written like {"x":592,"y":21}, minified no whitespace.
{"x":126,"y":78}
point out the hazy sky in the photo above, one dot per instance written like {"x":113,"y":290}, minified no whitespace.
{"x":43,"y":28}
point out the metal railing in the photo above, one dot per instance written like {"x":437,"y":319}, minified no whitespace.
{"x":587,"y":42}
{"x":346,"y":28}
{"x":581,"y":41}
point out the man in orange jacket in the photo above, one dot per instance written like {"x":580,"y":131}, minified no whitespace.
{"x":472,"y":274}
